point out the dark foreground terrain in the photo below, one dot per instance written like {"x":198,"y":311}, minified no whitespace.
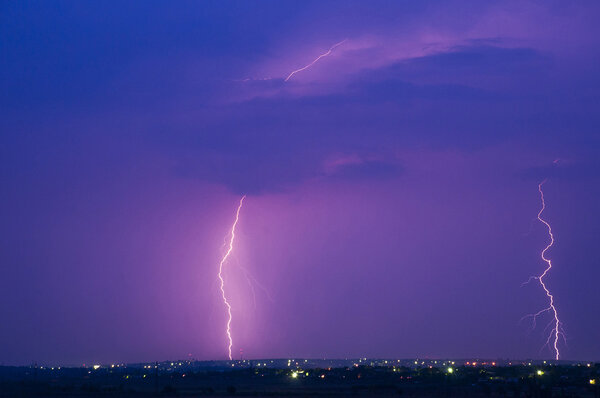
{"x":304,"y":378}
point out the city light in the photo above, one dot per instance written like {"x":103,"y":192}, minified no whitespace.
{"x":294,"y":375}
{"x":593,"y":382}
{"x":450,"y":370}
{"x":540,"y":372}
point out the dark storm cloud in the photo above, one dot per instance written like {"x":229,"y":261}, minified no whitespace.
{"x":266,"y":143}
{"x":465,"y":97}
{"x":368,"y":170}
{"x":481,"y":60}
{"x":565,"y":170}
{"x":252,"y":171}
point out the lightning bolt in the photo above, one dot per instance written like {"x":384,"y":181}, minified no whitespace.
{"x":556,"y":331}
{"x":229,"y":250}
{"x":315,"y":60}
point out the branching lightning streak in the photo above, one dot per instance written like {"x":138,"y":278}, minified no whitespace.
{"x":315,"y":60}
{"x":229,"y":250}
{"x":556,"y":332}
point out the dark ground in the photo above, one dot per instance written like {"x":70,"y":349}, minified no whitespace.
{"x":361,"y":379}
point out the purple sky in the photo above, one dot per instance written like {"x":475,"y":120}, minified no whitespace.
{"x":391,"y":187}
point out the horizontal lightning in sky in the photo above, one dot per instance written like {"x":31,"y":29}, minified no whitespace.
{"x":222,"y":285}
{"x":315,"y":60}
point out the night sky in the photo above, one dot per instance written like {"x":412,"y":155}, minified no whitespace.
{"x":392,"y":187}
